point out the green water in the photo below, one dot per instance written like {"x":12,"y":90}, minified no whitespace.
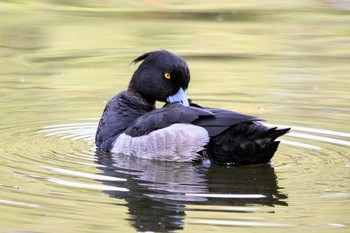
{"x":285,"y":61}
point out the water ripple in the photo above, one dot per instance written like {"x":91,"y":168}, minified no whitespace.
{"x":238,"y":223}
{"x":218,"y":195}
{"x":75,"y":184}
{"x":72,"y":163}
{"x":86,"y":131}
{"x":8,"y":202}
{"x":83,"y":174}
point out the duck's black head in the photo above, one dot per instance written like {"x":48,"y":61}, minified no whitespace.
{"x":161,"y":74}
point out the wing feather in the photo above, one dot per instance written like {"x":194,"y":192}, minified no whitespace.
{"x":213,"y":120}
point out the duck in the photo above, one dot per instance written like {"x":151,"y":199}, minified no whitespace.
{"x":181,"y":130}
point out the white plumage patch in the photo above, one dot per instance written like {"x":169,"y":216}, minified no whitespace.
{"x":178,"y":142}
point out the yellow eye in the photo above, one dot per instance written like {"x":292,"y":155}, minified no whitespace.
{"x":167,"y":75}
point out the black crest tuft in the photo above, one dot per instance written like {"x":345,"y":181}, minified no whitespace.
{"x":142,"y":57}
{"x":145,"y":55}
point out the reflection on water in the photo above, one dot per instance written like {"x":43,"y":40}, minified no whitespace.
{"x":159,"y":195}
{"x":159,"y":191}
{"x":286,"y":61}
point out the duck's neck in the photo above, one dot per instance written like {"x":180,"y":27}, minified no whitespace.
{"x":141,"y":100}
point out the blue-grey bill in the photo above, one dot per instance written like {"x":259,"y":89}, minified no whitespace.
{"x":179,"y":97}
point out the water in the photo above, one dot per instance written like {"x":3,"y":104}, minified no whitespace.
{"x":286,"y":62}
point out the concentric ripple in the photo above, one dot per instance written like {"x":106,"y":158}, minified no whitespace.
{"x":60,"y":160}
{"x":300,"y":140}
{"x":45,"y":176}
{"x":86,"y":131}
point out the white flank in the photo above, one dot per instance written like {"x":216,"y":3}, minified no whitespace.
{"x":178,"y":142}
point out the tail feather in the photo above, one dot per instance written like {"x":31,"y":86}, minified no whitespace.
{"x":245,"y":143}
{"x":274,"y":133}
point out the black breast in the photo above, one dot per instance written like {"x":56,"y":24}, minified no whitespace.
{"x":120,"y":112}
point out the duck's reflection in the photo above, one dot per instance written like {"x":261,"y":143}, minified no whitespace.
{"x":159,"y":191}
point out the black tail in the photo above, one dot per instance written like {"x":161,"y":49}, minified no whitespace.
{"x":245,"y":143}
{"x":274,"y":133}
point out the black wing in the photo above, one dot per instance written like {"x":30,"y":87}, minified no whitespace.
{"x":164,"y":117}
{"x":223,"y":120}
{"x":214,"y":121}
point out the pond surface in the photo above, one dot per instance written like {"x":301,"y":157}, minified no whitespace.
{"x":285,"y":61}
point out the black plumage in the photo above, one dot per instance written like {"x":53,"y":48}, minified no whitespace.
{"x":248,"y":142}
{"x":166,"y":116}
{"x":120,"y":112}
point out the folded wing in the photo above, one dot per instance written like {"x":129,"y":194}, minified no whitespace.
{"x":213,"y":120}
